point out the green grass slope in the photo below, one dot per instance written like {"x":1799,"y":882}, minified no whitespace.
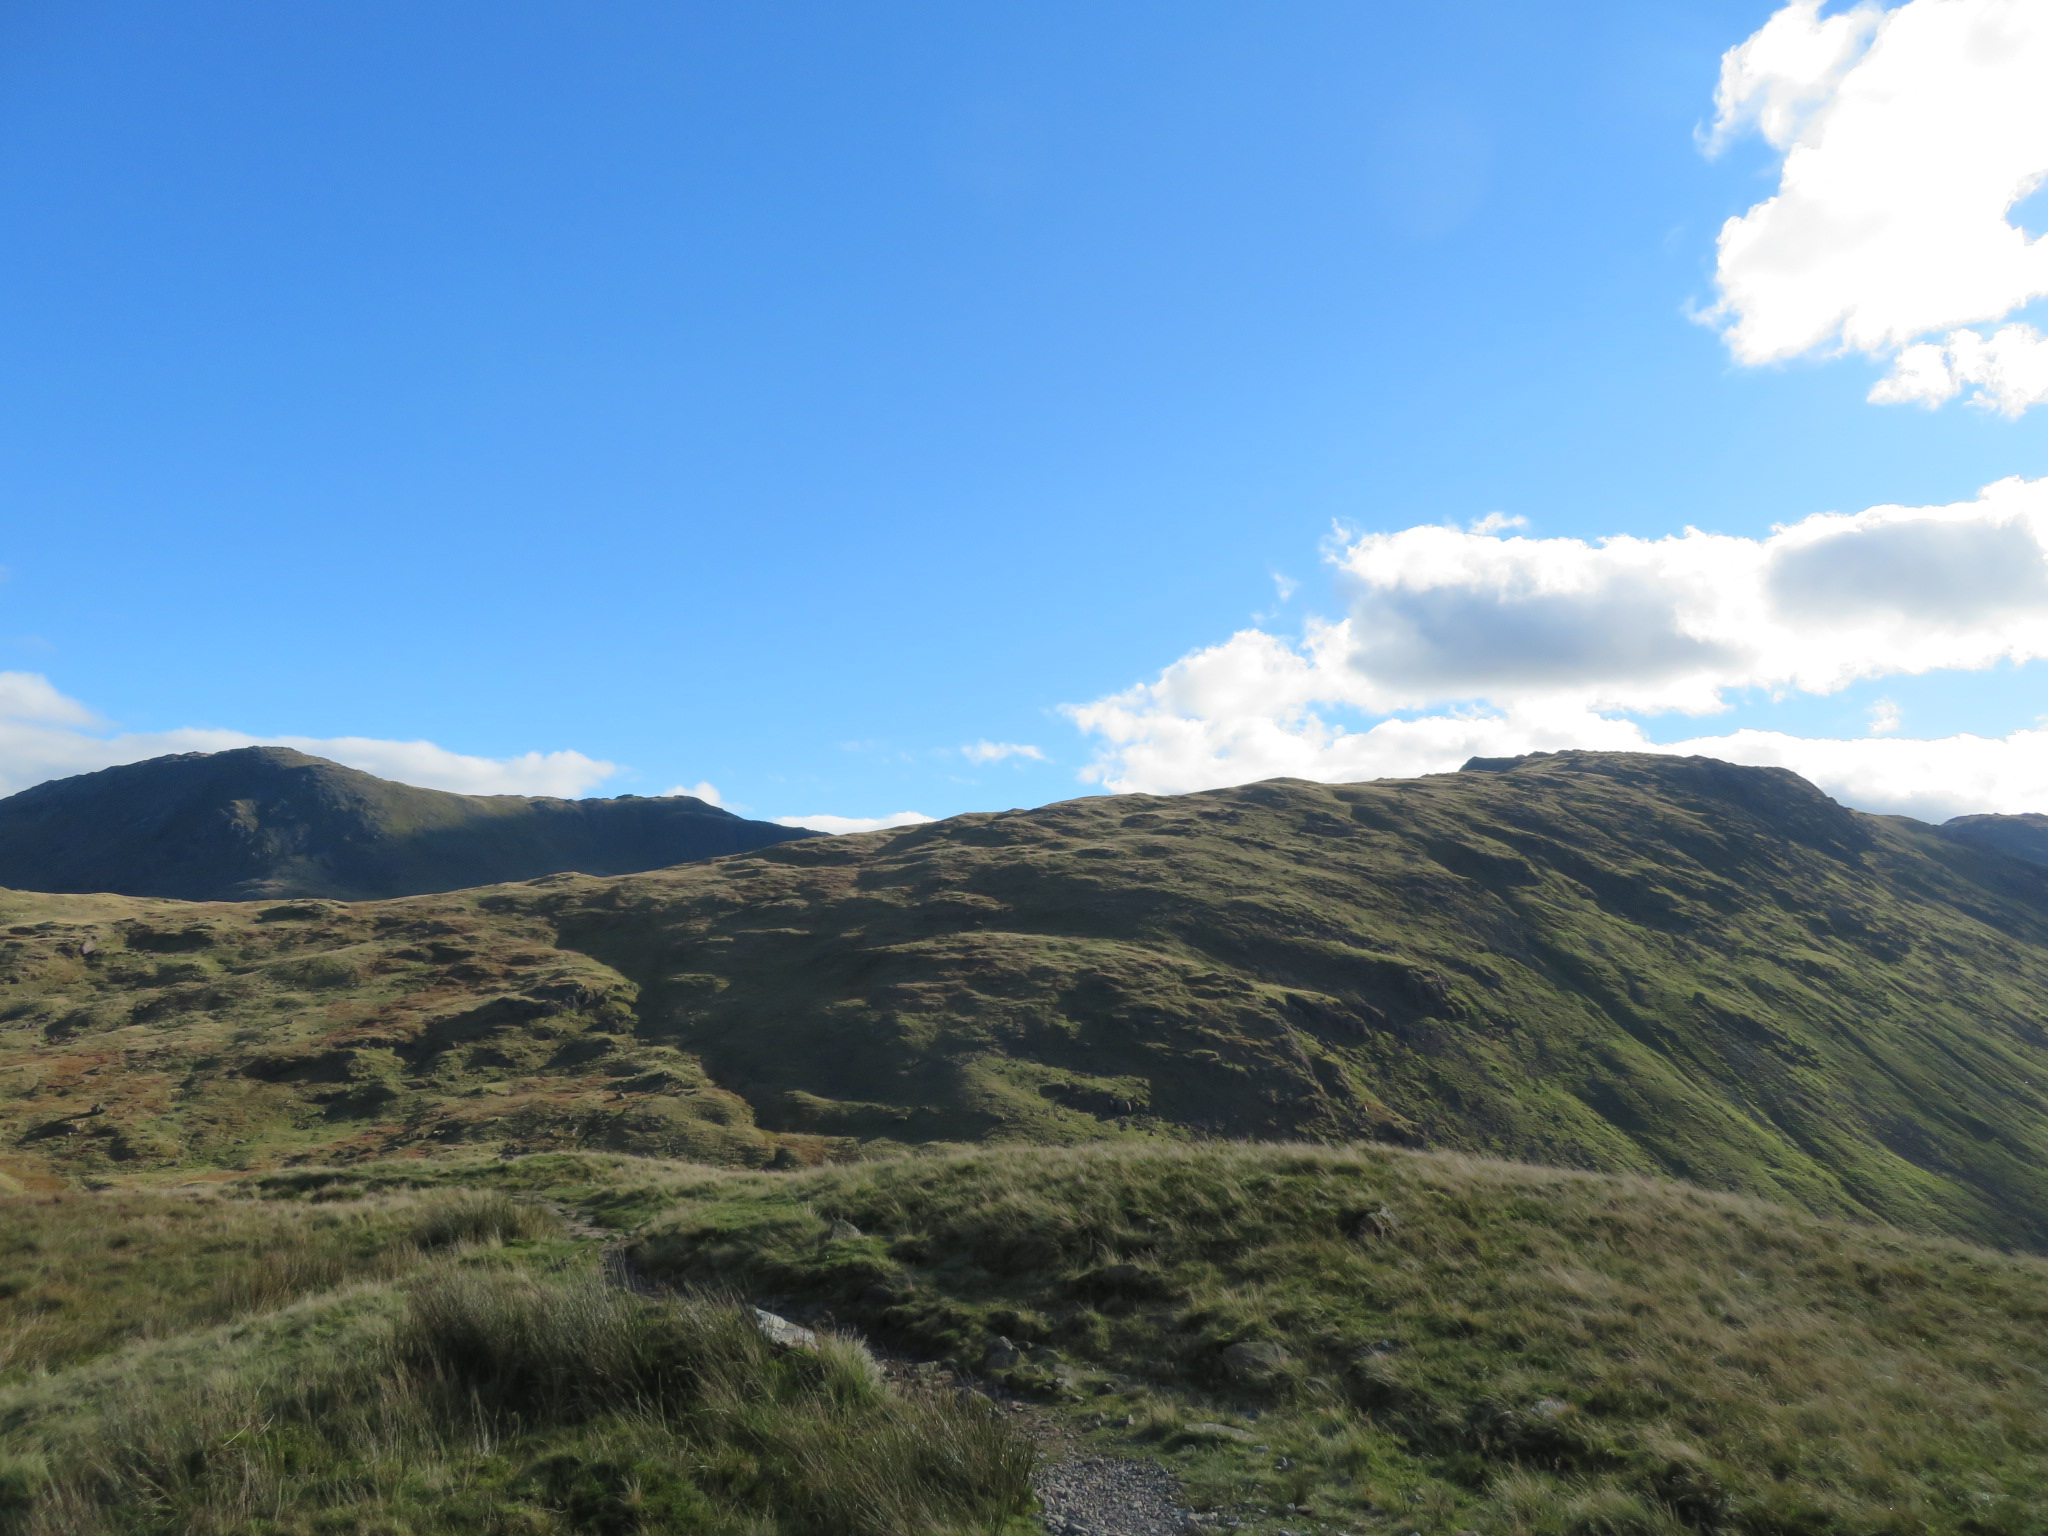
{"x":2023,"y":836}
{"x":1604,"y":961}
{"x":441,"y":1363}
{"x":149,"y":1039}
{"x":1366,"y":1340}
{"x":1313,"y":1339}
{"x":1611,"y":961}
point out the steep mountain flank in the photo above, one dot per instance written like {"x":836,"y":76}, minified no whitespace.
{"x":264,"y":822}
{"x":1606,"y":961}
{"x":2024,"y":836}
{"x":1615,"y":961}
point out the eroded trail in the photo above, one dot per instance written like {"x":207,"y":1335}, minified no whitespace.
{"x":1108,"y":1496}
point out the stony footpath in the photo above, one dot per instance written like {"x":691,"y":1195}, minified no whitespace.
{"x":1109,"y":1496}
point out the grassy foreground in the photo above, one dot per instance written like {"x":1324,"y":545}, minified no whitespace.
{"x":1317,"y":1340}
{"x":1372,"y":1340}
{"x":444,"y":1362}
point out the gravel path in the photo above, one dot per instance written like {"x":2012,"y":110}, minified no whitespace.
{"x":1108,"y":1496}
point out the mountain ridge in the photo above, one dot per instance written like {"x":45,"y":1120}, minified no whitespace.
{"x":1618,"y":962}
{"x":260,"y":823}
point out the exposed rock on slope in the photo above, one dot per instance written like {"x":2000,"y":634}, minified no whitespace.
{"x":264,"y":822}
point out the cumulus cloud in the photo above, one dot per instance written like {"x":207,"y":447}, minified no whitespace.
{"x":2007,"y":371}
{"x":45,"y":735}
{"x":996,"y":751}
{"x":1472,"y":644}
{"x":1908,"y":137}
{"x":705,"y":791}
{"x":840,"y":825}
{"x":1933,"y":780}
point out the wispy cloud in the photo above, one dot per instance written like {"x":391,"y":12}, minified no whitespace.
{"x":45,"y":735}
{"x":841,"y":825}
{"x":997,"y":751}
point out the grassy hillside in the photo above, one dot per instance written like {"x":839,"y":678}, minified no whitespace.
{"x":1371,"y":1340}
{"x":265,"y":822}
{"x":1313,"y":1339}
{"x":141,"y":1037}
{"x":1628,"y":963}
{"x":1594,"y":960}
{"x":2024,"y":836}
{"x":445,"y":1363}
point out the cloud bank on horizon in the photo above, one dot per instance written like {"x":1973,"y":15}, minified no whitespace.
{"x":841,"y":826}
{"x":46,"y":735}
{"x":1909,"y":137}
{"x":1476,"y":644}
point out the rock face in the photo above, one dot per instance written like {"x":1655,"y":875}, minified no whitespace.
{"x":260,"y":823}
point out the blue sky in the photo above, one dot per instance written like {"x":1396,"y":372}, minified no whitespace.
{"x":787,"y":396}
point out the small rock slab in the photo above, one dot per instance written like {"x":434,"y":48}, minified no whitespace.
{"x":782,"y":1333}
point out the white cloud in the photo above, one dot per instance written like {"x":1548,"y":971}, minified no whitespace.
{"x":1885,"y":718}
{"x":706,"y":791}
{"x":1908,"y":136}
{"x":1788,"y":68}
{"x":996,"y":751}
{"x":1497,"y":522}
{"x":1477,"y":645}
{"x":840,"y":825}
{"x":564,"y":774}
{"x":44,"y":735}
{"x":1933,"y":780}
{"x":2008,"y":369}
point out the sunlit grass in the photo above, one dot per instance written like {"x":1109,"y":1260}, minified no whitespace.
{"x":443,"y":1361}
{"x":1454,"y":1343}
